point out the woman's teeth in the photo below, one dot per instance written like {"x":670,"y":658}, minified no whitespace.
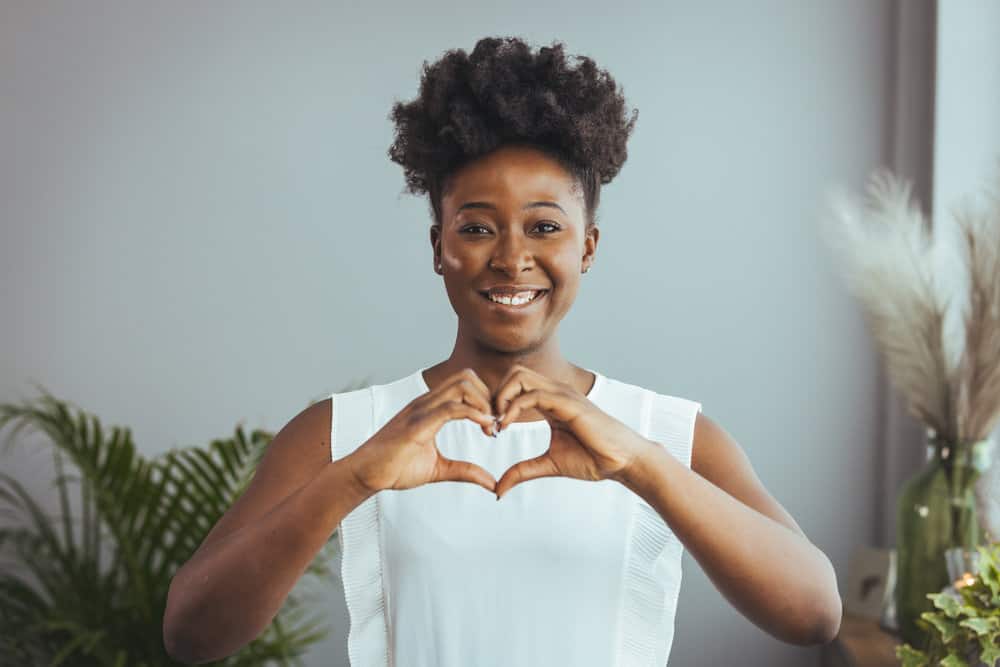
{"x":515,"y":300}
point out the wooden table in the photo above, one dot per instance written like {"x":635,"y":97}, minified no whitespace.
{"x":860,"y":643}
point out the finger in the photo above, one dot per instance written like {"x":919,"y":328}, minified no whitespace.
{"x":475,"y":392}
{"x":516,"y":381}
{"x":523,"y":471}
{"x":478,"y":381}
{"x":520,"y":380}
{"x":474,"y":388}
{"x":449,"y":470}
{"x":487,"y":402}
{"x":446,"y":412}
{"x":463,"y":388}
{"x":555,"y":405}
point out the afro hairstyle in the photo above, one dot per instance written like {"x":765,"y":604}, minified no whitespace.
{"x":502,"y":93}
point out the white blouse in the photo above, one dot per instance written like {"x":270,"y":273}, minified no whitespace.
{"x":559,"y":572}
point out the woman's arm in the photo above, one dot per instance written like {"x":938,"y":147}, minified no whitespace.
{"x":232,"y":587}
{"x":747,"y":544}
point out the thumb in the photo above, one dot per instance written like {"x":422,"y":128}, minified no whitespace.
{"x":450,"y":470}
{"x":523,"y":471}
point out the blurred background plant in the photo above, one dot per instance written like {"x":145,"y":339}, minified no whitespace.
{"x":88,"y":585}
{"x":911,"y":283}
{"x":907,"y":281}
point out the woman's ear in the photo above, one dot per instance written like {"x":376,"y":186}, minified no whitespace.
{"x":591,"y":235}
{"x":436,"y":246}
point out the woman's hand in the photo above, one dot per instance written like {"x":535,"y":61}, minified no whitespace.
{"x":403,"y":453}
{"x":587,"y":443}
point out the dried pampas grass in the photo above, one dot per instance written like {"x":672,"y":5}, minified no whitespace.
{"x":906,"y":280}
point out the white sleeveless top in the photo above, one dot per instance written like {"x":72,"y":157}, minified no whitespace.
{"x":559,"y":572}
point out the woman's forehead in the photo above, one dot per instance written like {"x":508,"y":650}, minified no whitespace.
{"x":520,"y":177}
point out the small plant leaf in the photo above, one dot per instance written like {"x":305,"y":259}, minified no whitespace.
{"x":911,"y":657}
{"x":949,"y":605}
{"x":990,"y":651}
{"x":980,"y":626}
{"x":954,"y":660}
{"x":944,"y":625}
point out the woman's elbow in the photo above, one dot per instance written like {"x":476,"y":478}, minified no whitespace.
{"x":181,"y":638}
{"x":177,"y":649}
{"x":825,"y":616}
{"x":828,"y":626}
{"x":177,"y":642}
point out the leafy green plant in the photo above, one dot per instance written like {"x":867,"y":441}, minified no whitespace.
{"x":88,"y":586}
{"x":963,"y":632}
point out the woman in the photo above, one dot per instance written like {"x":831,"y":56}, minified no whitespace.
{"x":603,"y":483}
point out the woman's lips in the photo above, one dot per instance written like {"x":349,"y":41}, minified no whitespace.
{"x":512,"y":308}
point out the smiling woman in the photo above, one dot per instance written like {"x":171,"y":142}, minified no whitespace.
{"x":581,"y":563}
{"x":512,"y":148}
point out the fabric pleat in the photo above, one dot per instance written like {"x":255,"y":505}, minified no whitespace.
{"x":653,"y":558}
{"x":361,"y":564}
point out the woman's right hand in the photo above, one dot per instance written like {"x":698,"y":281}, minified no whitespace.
{"x":403,"y":454}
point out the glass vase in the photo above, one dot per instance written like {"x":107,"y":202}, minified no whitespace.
{"x":935,"y":511}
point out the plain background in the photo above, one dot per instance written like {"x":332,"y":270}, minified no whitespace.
{"x":201,"y":228}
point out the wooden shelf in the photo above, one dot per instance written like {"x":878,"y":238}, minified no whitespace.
{"x":861,"y":643}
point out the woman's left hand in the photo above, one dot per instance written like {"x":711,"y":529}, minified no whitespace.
{"x":587,"y":443}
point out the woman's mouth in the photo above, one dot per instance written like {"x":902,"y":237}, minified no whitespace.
{"x":516,"y":302}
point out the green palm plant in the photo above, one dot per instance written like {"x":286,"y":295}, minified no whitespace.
{"x":88,"y":586}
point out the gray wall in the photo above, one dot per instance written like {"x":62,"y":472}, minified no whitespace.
{"x":200,"y":227}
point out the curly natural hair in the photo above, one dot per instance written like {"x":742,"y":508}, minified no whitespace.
{"x":502,"y":93}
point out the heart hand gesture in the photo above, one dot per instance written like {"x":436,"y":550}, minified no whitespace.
{"x":587,"y":443}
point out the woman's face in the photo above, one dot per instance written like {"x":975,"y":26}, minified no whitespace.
{"x":512,"y":218}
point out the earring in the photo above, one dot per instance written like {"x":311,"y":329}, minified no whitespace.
{"x":586,"y":269}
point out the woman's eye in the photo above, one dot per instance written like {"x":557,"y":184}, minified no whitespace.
{"x":555,"y":227}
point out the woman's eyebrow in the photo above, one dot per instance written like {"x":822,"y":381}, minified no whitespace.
{"x":487,"y":205}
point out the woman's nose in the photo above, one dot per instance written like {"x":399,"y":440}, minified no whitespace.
{"x":511,"y":249}
{"x":511,"y":254}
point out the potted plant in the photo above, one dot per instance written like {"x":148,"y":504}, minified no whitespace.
{"x":964,"y":630}
{"x":88,"y":587}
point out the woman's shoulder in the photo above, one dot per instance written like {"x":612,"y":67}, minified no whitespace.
{"x":359,"y":390}
{"x":662,"y":397}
